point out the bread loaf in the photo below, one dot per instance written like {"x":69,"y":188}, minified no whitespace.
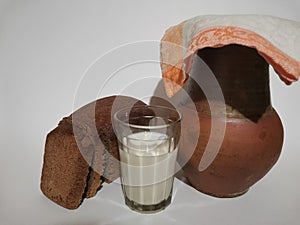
{"x":81,"y":152}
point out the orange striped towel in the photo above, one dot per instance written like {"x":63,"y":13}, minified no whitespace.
{"x":275,"y":39}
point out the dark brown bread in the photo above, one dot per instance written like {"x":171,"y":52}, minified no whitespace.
{"x":112,"y":171}
{"x":79,"y":152}
{"x":64,"y":170}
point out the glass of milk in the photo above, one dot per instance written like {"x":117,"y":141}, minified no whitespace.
{"x":148,"y":139}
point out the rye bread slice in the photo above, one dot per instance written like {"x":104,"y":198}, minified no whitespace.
{"x":78,"y":152}
{"x":65,"y":171}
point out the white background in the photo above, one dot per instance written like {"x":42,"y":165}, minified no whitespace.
{"x":45,"y":50}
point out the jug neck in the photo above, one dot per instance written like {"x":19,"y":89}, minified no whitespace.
{"x":243,"y":76}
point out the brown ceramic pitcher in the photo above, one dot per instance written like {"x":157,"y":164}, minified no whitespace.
{"x":253,"y":134}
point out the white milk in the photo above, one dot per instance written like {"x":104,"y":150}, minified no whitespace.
{"x":148,"y":164}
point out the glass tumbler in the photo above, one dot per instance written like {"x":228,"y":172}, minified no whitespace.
{"x":148,"y":139}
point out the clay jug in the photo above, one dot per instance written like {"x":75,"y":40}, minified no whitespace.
{"x":253,"y":135}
